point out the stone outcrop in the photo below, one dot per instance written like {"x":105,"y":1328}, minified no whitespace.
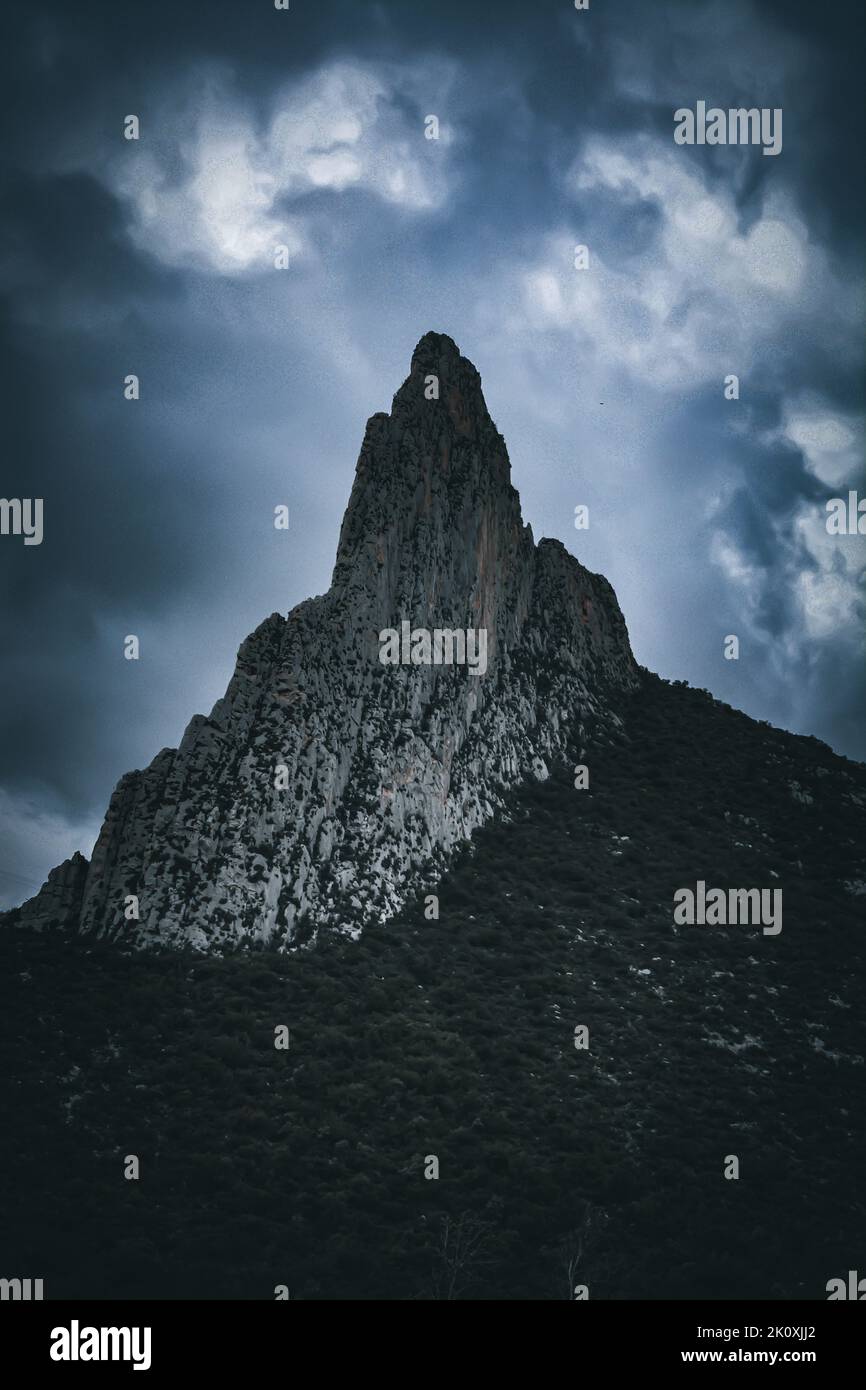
{"x":326,"y":787}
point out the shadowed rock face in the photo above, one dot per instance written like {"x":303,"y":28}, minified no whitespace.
{"x":58,"y":902}
{"x":325,"y":787}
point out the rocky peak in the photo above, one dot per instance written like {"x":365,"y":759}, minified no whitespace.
{"x":325,"y":788}
{"x":58,"y":902}
{"x":437,"y":359}
{"x":433,"y":523}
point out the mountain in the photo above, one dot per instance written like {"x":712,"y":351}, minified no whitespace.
{"x":455,"y":1038}
{"x":582,"y":1065}
{"x":326,"y":787}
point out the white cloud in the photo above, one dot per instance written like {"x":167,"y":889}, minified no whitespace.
{"x":831,"y":445}
{"x":825,"y":574}
{"x":705,"y":298}
{"x":830,"y":589}
{"x":210,"y":187}
{"x":733,"y":562}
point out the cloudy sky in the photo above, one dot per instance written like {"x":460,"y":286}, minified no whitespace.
{"x":306,"y":128}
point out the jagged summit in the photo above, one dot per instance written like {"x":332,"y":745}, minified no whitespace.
{"x":326,"y":787}
{"x":459,"y":382}
{"x":433,"y":525}
{"x":441,"y":346}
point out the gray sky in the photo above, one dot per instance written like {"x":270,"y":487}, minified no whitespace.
{"x":307,"y":128}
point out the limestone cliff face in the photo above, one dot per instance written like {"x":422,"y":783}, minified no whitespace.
{"x":326,"y":787}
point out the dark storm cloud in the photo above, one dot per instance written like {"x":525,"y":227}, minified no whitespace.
{"x":255,"y":389}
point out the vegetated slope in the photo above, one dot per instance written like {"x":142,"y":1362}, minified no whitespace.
{"x":455,"y":1038}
